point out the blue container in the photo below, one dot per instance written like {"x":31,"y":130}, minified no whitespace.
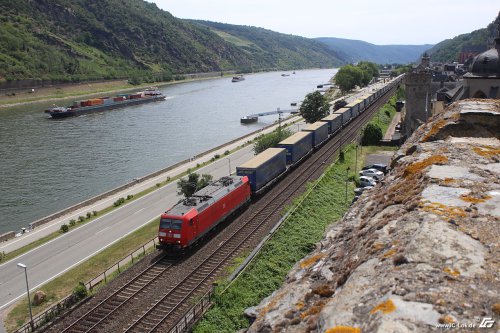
{"x":264,"y":167}
{"x":334,"y":122}
{"x":319,"y":130}
{"x":297,"y":146}
{"x":346,"y":115}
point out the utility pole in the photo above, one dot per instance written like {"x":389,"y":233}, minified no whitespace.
{"x":346,"y":179}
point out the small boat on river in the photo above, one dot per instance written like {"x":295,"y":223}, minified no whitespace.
{"x":238,"y":78}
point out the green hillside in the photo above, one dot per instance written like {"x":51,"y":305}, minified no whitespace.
{"x":76,"y":40}
{"x":449,"y":49}
{"x":282,"y":50}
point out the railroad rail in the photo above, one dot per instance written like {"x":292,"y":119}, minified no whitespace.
{"x":166,"y":307}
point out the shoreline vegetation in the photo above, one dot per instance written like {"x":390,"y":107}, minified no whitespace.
{"x":15,"y":98}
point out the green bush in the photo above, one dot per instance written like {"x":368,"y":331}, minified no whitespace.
{"x":89,"y":215}
{"x":80,"y":291}
{"x":129,"y":197}
{"x":64,"y":228}
{"x":81,"y":218}
{"x":72,"y":222}
{"x":270,"y":140}
{"x":94,"y":212}
{"x":372,"y":134}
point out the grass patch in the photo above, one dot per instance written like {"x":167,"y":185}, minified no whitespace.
{"x":267,"y":272}
{"x":63,"y":285}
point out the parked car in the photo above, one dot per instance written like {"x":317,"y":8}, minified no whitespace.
{"x":377,"y":166}
{"x":398,"y":128}
{"x":359,"y":190}
{"x":374,"y":173}
{"x":365,"y":181}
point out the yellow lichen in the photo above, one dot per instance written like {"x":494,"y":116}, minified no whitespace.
{"x":389,"y":253}
{"x":475,"y":200}
{"x":315,"y":309}
{"x":434,"y":129}
{"x":487,"y":151}
{"x":446,"y":320}
{"x":384,"y":307}
{"x":308,"y":262}
{"x":343,"y":329}
{"x":417,"y":167}
{"x":451,"y":271}
{"x":444,"y":211}
{"x":271,"y":304}
{"x":448,"y":181}
{"x":378,"y":246}
{"x":299,"y":305}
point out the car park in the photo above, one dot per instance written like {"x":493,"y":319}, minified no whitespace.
{"x":374,"y":173}
{"x":365,"y":181}
{"x":377,"y":166}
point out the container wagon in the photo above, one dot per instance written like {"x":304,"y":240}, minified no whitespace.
{"x":297,"y":146}
{"x":354,"y":107}
{"x":192,"y":218}
{"x":346,"y":115}
{"x":334,"y":122}
{"x":263,"y":168}
{"x":319,"y":131}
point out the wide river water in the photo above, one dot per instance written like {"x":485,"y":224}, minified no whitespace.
{"x":47,"y":165}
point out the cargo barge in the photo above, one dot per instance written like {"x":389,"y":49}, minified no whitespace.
{"x":105,"y":103}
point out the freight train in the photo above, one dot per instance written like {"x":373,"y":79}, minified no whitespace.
{"x":189,"y":220}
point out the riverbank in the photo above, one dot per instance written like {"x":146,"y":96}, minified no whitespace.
{"x":62,"y":92}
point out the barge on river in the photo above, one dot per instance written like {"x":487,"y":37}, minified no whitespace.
{"x":105,"y":103}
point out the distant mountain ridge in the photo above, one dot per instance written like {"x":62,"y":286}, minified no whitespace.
{"x":355,"y":50}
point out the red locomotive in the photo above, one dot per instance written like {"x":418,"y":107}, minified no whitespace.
{"x":192,"y":218}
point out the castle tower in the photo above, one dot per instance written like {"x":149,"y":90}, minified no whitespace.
{"x":418,"y":96}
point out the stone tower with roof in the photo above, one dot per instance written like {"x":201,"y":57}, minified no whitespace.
{"x":418,"y":96}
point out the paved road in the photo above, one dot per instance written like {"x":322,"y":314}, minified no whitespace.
{"x":63,"y":253}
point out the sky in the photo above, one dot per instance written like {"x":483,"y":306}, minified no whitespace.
{"x":379,"y":22}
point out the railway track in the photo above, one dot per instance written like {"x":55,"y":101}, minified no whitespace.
{"x":166,"y":308}
{"x":112,"y":303}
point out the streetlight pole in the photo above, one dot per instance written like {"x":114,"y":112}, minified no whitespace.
{"x":229,"y":162}
{"x":346,"y":179}
{"x":23,"y":266}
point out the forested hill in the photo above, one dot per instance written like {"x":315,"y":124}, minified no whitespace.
{"x":449,"y":49}
{"x":356,"y":50}
{"x":282,"y":50}
{"x":87,"y":39}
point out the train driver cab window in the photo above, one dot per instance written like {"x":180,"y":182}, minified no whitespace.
{"x":170,"y":224}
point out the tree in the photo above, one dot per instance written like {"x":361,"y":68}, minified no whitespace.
{"x":372,"y":134}
{"x":193,"y":183}
{"x":271,"y":139}
{"x":314,"y":107}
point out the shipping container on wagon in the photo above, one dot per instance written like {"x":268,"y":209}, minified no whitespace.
{"x":263,"y":168}
{"x":346,"y":115}
{"x":192,"y":218}
{"x":297,"y":146}
{"x":334,"y":122}
{"x":319,"y":130}
{"x":355,"y":107}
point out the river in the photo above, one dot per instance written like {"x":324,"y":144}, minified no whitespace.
{"x":47,"y":165}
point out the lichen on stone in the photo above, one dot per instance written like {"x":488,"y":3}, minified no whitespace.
{"x":385,"y":307}
{"x":343,"y":329}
